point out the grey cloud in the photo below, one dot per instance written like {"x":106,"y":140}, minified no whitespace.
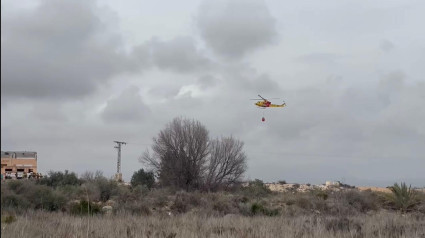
{"x":393,"y":81}
{"x":386,"y":45}
{"x":49,"y":112}
{"x":390,"y":86}
{"x":142,"y":55}
{"x":405,"y":110}
{"x":233,"y":28}
{"x":351,"y":19}
{"x":58,"y":143}
{"x":162,"y":92}
{"x":128,"y":107}
{"x":53,"y":51}
{"x":318,"y":58}
{"x":245,"y":77}
{"x":321,"y":126}
{"x":354,"y":122}
{"x":263,"y":83}
{"x":206,"y":81}
{"x":179,"y":54}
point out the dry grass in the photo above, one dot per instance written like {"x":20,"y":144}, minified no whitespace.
{"x":381,"y":224}
{"x":252,"y":211}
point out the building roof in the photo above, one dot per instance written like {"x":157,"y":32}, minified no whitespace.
{"x":19,"y":154}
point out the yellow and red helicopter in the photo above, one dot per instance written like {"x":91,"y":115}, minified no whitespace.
{"x":266,"y":103}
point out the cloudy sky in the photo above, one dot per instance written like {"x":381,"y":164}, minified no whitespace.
{"x":77,"y":75}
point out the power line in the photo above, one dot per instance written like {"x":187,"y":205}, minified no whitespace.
{"x":137,"y":143}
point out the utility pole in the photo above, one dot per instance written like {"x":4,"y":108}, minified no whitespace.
{"x":118,"y":176}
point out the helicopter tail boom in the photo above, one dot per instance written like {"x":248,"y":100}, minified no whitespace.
{"x":274,"y":105}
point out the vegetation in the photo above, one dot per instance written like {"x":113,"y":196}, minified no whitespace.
{"x":84,"y":208}
{"x":227,"y":163}
{"x":251,"y":210}
{"x":402,"y":198}
{"x":185,"y":157}
{"x":8,"y":219}
{"x":141,"y":177}
{"x":381,"y":224}
{"x":200,"y":194}
{"x":256,"y":188}
{"x":55,"y":179}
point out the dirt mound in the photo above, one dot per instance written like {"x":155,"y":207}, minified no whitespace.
{"x":374,"y":189}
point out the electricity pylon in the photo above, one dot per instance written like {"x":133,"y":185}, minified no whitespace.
{"x":118,"y":176}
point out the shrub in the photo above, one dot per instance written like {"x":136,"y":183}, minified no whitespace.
{"x":304,"y":202}
{"x":271,"y":212}
{"x":244,"y":209}
{"x":30,"y":195}
{"x":43,"y":197}
{"x":421,"y":199}
{"x":70,"y":191}
{"x":362,"y":201}
{"x":106,"y":188}
{"x":307,"y":202}
{"x":141,"y":177}
{"x":141,"y":209}
{"x":55,"y":179}
{"x":290,"y":202}
{"x":140,"y":190}
{"x":223,"y":205}
{"x":136,"y":208}
{"x":180,"y":205}
{"x":183,"y":201}
{"x":84,"y":208}
{"x":256,"y":189}
{"x":88,"y":190}
{"x":123,"y":194}
{"x":14,"y":201}
{"x":256,"y":208}
{"x":241,"y":199}
{"x":161,"y":201}
{"x":259,"y":209}
{"x":14,"y":185}
{"x":352,"y":202}
{"x":338,"y":224}
{"x":99,"y":189}
{"x":159,"y":196}
{"x":9,"y":219}
{"x":282,"y":181}
{"x":321,"y":194}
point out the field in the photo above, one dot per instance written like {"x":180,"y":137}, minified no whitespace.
{"x":380,"y":224}
{"x":33,"y":209}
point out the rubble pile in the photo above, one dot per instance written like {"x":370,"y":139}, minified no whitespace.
{"x":295,"y":187}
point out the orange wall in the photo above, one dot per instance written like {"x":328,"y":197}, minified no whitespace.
{"x":15,"y":164}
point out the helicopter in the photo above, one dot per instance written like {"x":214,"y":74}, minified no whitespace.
{"x":265,"y":104}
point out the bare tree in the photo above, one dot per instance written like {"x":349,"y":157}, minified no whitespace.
{"x":180,"y":154}
{"x":87,"y":176}
{"x":227,"y":163}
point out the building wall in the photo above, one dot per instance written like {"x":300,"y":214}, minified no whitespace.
{"x":13,"y":162}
